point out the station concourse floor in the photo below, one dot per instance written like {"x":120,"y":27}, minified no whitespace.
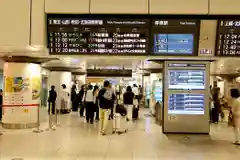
{"x":76,"y":140}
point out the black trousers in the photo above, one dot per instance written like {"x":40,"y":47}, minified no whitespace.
{"x":82,"y":108}
{"x":0,"y":112}
{"x":215,"y":115}
{"x":53,"y":107}
{"x":90,"y":108}
{"x":97,"y":112}
{"x":74,"y":106}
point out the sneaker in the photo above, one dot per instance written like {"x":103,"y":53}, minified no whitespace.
{"x":237,"y":143}
{"x":103,"y":133}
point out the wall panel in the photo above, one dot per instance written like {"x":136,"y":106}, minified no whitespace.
{"x":178,"y":6}
{"x":208,"y":31}
{"x":15,"y":22}
{"x":119,"y":6}
{"x":38,"y":23}
{"x":67,"y":6}
{"x":224,"y":6}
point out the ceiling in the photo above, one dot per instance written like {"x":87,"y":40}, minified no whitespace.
{"x":220,"y":66}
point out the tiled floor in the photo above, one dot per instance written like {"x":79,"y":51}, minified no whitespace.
{"x":76,"y":140}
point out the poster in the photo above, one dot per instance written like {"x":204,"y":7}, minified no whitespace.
{"x":16,"y":84}
{"x":36,"y":87}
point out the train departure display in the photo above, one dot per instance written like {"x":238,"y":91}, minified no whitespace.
{"x":98,"y":36}
{"x":175,"y":37}
{"x":228,"y":40}
{"x":186,"y":79}
{"x":186,"y":104}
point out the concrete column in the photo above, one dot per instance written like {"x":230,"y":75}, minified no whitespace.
{"x":21,"y":95}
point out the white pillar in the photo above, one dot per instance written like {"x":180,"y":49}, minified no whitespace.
{"x":57,"y":78}
{"x":21,"y":95}
{"x":81,"y":79}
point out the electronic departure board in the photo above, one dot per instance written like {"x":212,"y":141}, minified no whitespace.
{"x":98,"y":36}
{"x":228,"y":40}
{"x":186,"y":104}
{"x":186,"y":79}
{"x":175,"y":37}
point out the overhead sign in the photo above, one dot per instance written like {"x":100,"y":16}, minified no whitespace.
{"x":228,"y":38}
{"x":89,"y":35}
{"x":175,"y":37}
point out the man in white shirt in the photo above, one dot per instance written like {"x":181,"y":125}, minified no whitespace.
{"x":89,"y":100}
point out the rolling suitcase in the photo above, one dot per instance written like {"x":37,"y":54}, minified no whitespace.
{"x":119,"y":124}
{"x":135,"y":112}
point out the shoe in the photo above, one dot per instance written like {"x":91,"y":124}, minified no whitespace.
{"x":127,"y":119}
{"x":103,"y":133}
{"x":237,"y":143}
{"x":91,"y":122}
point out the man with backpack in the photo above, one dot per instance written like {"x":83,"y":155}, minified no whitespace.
{"x":106,"y":101}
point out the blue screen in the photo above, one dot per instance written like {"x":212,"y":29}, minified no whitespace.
{"x":173,"y":43}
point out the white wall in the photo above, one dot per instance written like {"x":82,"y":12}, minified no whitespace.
{"x":67,"y":6}
{"x":207,"y":36}
{"x":119,"y":6}
{"x":178,"y":6}
{"x":14,"y":22}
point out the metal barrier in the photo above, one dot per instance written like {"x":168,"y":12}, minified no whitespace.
{"x":56,"y":118}
{"x":50,"y":122}
{"x":38,"y":130}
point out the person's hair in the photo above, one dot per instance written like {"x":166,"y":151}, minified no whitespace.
{"x":64,"y":86}
{"x":1,"y":90}
{"x":52,"y":87}
{"x":129,"y":89}
{"x":134,"y":85}
{"x":90,"y":87}
{"x":82,"y":87}
{"x":234,"y":93}
{"x":106,"y":84}
{"x":95,"y":88}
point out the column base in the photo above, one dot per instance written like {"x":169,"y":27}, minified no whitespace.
{"x":19,"y":125}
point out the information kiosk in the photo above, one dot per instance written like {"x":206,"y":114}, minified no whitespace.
{"x":186,"y":97}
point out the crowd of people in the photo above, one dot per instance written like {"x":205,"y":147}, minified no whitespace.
{"x":217,"y":109}
{"x":98,"y":103}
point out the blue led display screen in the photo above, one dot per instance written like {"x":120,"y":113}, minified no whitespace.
{"x":173,"y":43}
{"x":175,"y":37}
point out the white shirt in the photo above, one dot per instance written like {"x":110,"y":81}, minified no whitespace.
{"x":64,"y":95}
{"x":135,"y":90}
{"x":89,"y":96}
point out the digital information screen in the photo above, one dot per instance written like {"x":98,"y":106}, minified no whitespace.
{"x":175,"y":37}
{"x":228,"y":40}
{"x":98,"y":36}
{"x":186,"y":104}
{"x":186,"y":79}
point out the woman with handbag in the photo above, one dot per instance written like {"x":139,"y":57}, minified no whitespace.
{"x":235,"y":114}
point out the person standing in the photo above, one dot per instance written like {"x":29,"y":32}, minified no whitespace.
{"x":95,"y":94}
{"x":105,"y":103}
{"x":52,"y":100}
{"x":128,"y":102}
{"x":235,"y":104}
{"x":80,"y":96}
{"x":217,"y":105}
{"x":74,"y":99}
{"x":90,"y":107}
{"x":64,"y":100}
{"x":1,"y":103}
